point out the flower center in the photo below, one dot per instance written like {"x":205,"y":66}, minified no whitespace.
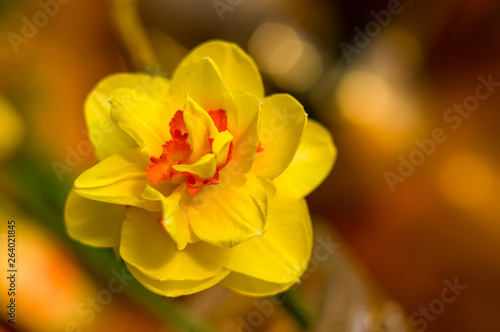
{"x":196,"y":163}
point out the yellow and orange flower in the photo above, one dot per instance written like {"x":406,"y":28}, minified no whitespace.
{"x":201,"y":178}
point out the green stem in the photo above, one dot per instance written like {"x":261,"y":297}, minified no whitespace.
{"x":293,"y":302}
{"x":126,"y":19}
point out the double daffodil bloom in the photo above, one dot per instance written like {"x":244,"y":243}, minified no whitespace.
{"x":201,"y":178}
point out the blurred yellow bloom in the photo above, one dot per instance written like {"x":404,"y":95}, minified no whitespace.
{"x":12,"y":130}
{"x":201,"y":178}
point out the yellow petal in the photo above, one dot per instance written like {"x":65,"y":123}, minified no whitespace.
{"x":106,"y":136}
{"x":282,"y":253}
{"x":249,"y":286}
{"x":312,"y":162}
{"x":220,"y":145}
{"x":197,"y":137}
{"x":150,"y":109}
{"x":127,"y":164}
{"x":205,"y":167}
{"x":237,"y":68}
{"x":93,"y":223}
{"x":138,"y":83}
{"x":247,"y":132}
{"x":195,"y":110}
{"x":133,"y":123}
{"x":125,"y":192}
{"x":283,"y":122}
{"x":228,"y":213}
{"x":172,"y":219}
{"x":118,"y":179}
{"x":201,"y":80}
{"x":174,"y":288}
{"x":145,"y":245}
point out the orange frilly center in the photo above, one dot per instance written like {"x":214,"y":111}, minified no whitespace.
{"x":177,"y":151}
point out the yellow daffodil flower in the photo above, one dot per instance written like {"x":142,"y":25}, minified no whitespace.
{"x":201,"y":178}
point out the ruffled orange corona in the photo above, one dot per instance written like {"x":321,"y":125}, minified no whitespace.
{"x":177,"y":151}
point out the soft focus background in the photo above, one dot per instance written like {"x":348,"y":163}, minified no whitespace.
{"x":411,"y":207}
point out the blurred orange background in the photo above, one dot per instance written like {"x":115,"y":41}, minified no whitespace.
{"x":406,"y":221}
